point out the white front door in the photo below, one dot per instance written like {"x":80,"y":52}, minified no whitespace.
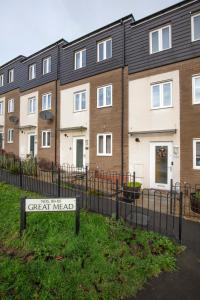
{"x":79,"y":152}
{"x":160,"y":165}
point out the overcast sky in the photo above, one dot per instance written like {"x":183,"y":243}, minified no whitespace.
{"x":30,"y":25}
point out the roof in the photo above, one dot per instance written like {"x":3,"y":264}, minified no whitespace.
{"x":130,"y":16}
{"x":165,"y":10}
{"x":20,"y":57}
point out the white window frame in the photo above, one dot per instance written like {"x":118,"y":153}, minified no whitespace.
{"x":81,"y":59}
{"x":11,"y":106}
{"x":193,"y":89}
{"x":11,"y":75}
{"x":194,"y":153}
{"x":1,"y":80}
{"x":48,"y":70}
{"x":104,"y":144}
{"x":1,"y":107}
{"x":104,"y":96}
{"x":80,"y":101}
{"x":161,"y":94}
{"x":46,"y":133}
{"x":160,"y":39}
{"x":192,"y":27}
{"x":46,"y":107}
{"x":104,"y":49}
{"x":31,"y":101}
{"x":9,"y":140}
{"x":32,"y":72}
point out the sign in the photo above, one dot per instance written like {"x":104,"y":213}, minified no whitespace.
{"x":49,"y":205}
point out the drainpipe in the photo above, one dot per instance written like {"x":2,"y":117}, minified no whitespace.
{"x":122,"y":100}
{"x":56,"y":100}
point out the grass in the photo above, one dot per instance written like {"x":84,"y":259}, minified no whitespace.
{"x":106,"y":261}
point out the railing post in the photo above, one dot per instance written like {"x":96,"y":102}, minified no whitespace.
{"x":86,"y":174}
{"x":58,"y":182}
{"x":171,"y":195}
{"x":117,"y":200}
{"x":134,"y":188}
{"x":52,"y":170}
{"x":20,"y":173}
{"x":180,"y":216}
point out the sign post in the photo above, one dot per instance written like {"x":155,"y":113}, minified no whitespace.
{"x":49,"y":205}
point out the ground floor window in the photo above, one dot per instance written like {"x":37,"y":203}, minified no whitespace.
{"x":46,"y":139}
{"x":10,"y":135}
{"x":104,"y":144}
{"x":196,"y":153}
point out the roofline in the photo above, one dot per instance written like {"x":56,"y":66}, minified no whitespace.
{"x":130,"y":16}
{"x":12,"y":61}
{"x":163,"y":11}
{"x":45,"y":49}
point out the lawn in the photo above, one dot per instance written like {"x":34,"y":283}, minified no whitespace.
{"x":106,"y":261}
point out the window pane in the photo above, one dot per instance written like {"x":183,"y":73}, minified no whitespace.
{"x":77,"y":101}
{"x":155,"y":42}
{"x":167,"y":94}
{"x":83,"y":58}
{"x":43,"y":138}
{"x":198,"y":154}
{"x":108,"y":95}
{"x":197,"y":28}
{"x":49,"y":101}
{"x":101,"y":144}
{"x":78,"y":60}
{"x":156,"y":96}
{"x":44,"y":66}
{"x":48,"y":138}
{"x":34,"y":105}
{"x":100,"y":98}
{"x":109,"y":49}
{"x":108,"y":144}
{"x":166,"y":38}
{"x":197,"y":89}
{"x":83,"y":101}
{"x":101,"y":55}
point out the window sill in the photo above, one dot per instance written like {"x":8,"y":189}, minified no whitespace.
{"x":78,"y":111}
{"x":45,"y":147}
{"x":106,"y":106}
{"x":165,"y":107}
{"x":104,"y":155}
{"x":160,"y":51}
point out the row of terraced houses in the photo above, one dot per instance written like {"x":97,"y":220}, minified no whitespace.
{"x":125,"y":97}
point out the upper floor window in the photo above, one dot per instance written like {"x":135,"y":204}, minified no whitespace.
{"x":1,"y":80}
{"x":46,"y":101}
{"x":160,"y":39}
{"x":161,"y":95}
{"x":10,"y":75}
{"x":104,"y":144}
{"x":79,"y":101}
{"x":32,"y":72}
{"x":1,"y":107}
{"x":32,"y":105}
{"x":196,"y":27}
{"x":47,"y":65}
{"x":104,"y":50}
{"x":11,"y":105}
{"x":196,"y":154}
{"x":104,"y":96}
{"x":80,"y":59}
{"x":196,"y":89}
{"x":10,"y":135}
{"x":46,"y":139}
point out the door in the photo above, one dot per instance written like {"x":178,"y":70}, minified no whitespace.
{"x":31,"y":149}
{"x":1,"y":140}
{"x":160,"y":165}
{"x":79,"y":155}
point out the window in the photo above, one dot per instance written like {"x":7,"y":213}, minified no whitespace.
{"x":196,"y":27}
{"x":160,"y":39}
{"x":196,"y":89}
{"x":161,"y":95}
{"x":1,"y":80}
{"x":104,"y":96}
{"x":196,"y":154}
{"x":11,"y":106}
{"x":104,"y":50}
{"x":46,"y":101}
{"x":32,"y":72}
{"x":80,"y":59}
{"x":10,"y":75}
{"x":10,"y":135}
{"x":46,"y":139}
{"x":104,"y":144}
{"x":32,"y":105}
{"x":47,"y":65}
{"x":79,"y":101}
{"x":1,"y":107}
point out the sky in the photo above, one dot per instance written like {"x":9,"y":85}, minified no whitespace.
{"x":30,"y":25}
